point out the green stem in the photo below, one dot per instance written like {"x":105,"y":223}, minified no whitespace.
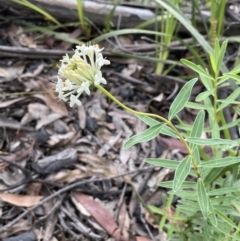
{"x":215,"y":98}
{"x":143,"y":202}
{"x":168,"y":206}
{"x":169,"y":123}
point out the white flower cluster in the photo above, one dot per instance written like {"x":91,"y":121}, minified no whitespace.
{"x":78,"y":73}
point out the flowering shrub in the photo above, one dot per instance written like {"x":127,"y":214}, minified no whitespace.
{"x":208,"y":208}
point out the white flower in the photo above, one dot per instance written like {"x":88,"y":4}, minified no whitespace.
{"x":74,"y":100}
{"x":99,"y":79}
{"x":84,"y":88}
{"x":78,"y":73}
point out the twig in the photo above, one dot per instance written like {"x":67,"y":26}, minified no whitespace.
{"x":60,"y":191}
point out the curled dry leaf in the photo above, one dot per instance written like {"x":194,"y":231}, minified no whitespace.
{"x":20,"y":200}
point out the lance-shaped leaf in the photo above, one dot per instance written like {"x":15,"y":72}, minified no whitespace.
{"x":144,"y":136}
{"x":210,"y":142}
{"x":181,"y":172}
{"x":197,"y":127}
{"x":203,"y":199}
{"x":148,"y":120}
{"x":162,"y":162}
{"x":181,"y":99}
{"x":222,"y":162}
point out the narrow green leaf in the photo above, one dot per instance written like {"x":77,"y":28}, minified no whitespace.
{"x":237,"y":110}
{"x":222,"y":191}
{"x":229,"y":180}
{"x":222,"y":79}
{"x":204,"y":95}
{"x":148,"y":120}
{"x":191,"y":195}
{"x":210,"y":142}
{"x":197,"y":127}
{"x":196,"y":106}
{"x":213,"y":63}
{"x":181,"y":173}
{"x":185,"y":184}
{"x":207,"y":231}
{"x":213,"y":175}
{"x":210,"y":110}
{"x":178,"y":14}
{"x":203,"y":199}
{"x":197,"y":130}
{"x":212,"y":217}
{"x":216,"y":50}
{"x":233,"y":76}
{"x":162,"y":162}
{"x":196,"y":68}
{"x":235,"y":70}
{"x":223,"y":162}
{"x":215,"y":131}
{"x":196,"y":154}
{"x":155,"y":209}
{"x":226,"y":219}
{"x":207,"y":82}
{"x":125,"y":31}
{"x":39,"y":10}
{"x":166,"y":130}
{"x":229,"y":125}
{"x":185,"y":127}
{"x":221,"y":200}
{"x":181,"y":99}
{"x":145,"y":136}
{"x":187,"y":212}
{"x":235,"y":94}
{"x":221,"y":54}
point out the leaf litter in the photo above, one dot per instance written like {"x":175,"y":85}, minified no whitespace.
{"x":62,"y":170}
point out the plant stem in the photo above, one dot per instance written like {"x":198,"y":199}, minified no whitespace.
{"x":168,"y":206}
{"x":169,"y":123}
{"x":215,"y":96}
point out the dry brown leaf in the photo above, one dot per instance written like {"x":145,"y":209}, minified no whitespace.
{"x":21,"y":226}
{"x":56,"y":105}
{"x":110,"y":143}
{"x":25,"y":40}
{"x":124,"y":221}
{"x":10,"y":73}
{"x":67,"y":176}
{"x":14,"y":157}
{"x":47,"y":120}
{"x":8,"y":103}
{"x":96,"y":111}
{"x":143,"y":239}
{"x":52,"y":101}
{"x":100,"y":214}
{"x":172,"y":144}
{"x":99,"y":165}
{"x":20,"y":200}
{"x":34,"y":188}
{"x":82,"y":117}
